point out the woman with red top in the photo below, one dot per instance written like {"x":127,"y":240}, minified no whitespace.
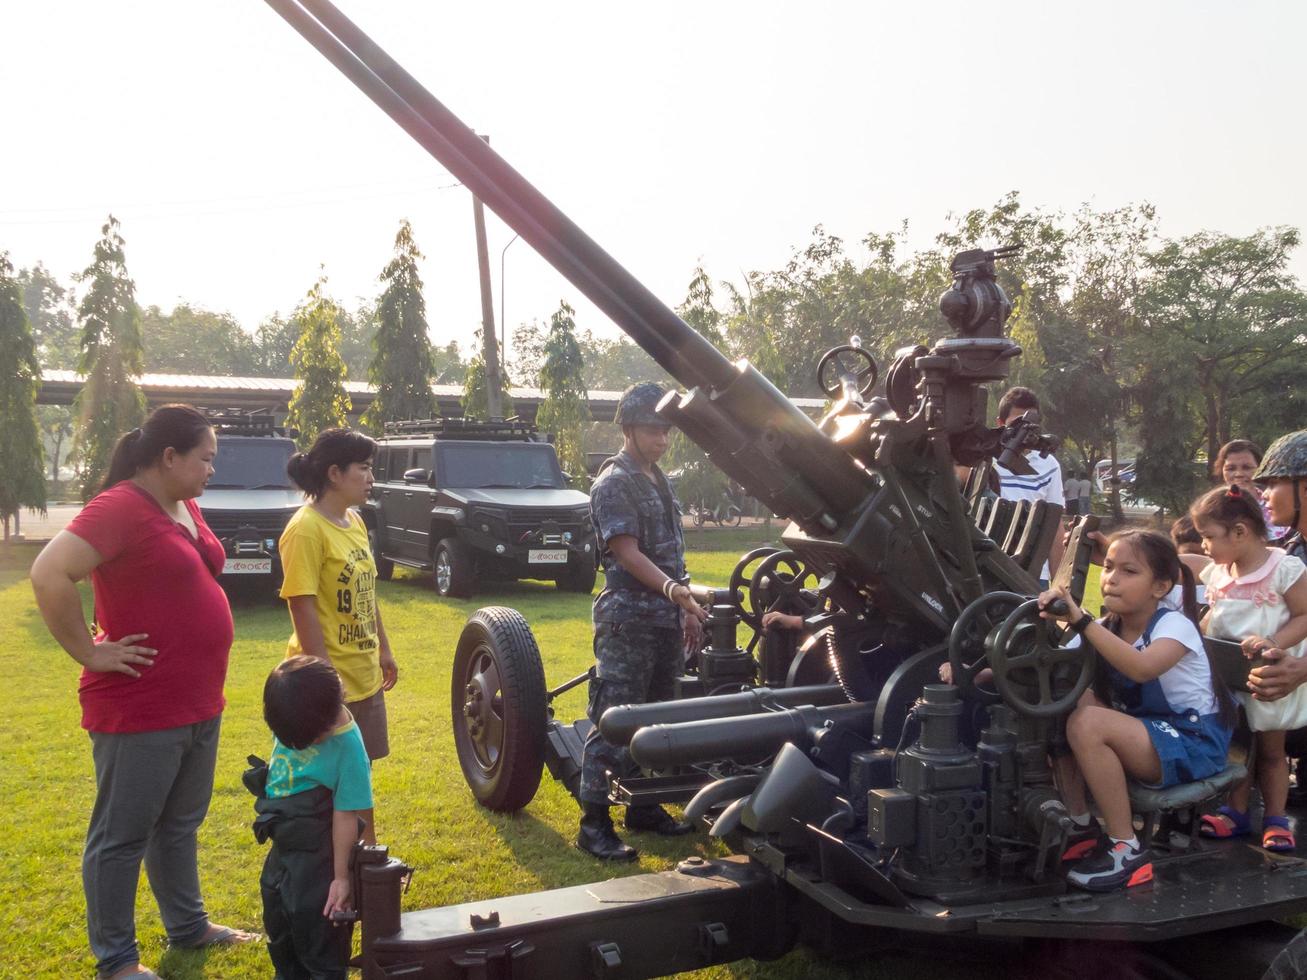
{"x":151,"y":686}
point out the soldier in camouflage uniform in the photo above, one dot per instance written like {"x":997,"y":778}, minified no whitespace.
{"x":1283,"y":477}
{"x":643,"y":618}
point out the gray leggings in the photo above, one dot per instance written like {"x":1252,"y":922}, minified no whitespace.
{"x":152,"y":792}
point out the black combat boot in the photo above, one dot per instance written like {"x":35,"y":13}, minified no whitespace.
{"x":656,"y":820}
{"x":597,"y":836}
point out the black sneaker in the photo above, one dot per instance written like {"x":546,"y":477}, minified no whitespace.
{"x":1083,"y":841}
{"x":1113,"y":867}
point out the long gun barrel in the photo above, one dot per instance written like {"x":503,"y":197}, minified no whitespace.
{"x":748,"y":427}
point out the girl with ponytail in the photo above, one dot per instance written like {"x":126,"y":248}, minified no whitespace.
{"x":1170,"y":718}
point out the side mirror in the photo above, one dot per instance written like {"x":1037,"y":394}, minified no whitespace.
{"x":569,"y":479}
{"x":417,"y":476}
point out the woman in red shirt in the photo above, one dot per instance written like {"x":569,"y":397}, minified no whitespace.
{"x":152,"y":676}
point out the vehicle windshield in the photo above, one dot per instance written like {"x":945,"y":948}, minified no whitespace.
{"x":251,"y":464}
{"x":515,"y":466}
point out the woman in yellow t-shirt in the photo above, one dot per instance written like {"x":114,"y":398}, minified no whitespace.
{"x":330,"y":579}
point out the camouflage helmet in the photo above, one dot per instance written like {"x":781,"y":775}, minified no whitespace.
{"x":637,"y":405}
{"x":1287,"y":458}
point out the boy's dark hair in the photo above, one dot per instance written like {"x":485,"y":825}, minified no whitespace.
{"x":1183,"y":532}
{"x":1022,"y":398}
{"x":333,"y":447}
{"x":1228,"y":506}
{"x":1163,"y":561}
{"x":301,"y":700}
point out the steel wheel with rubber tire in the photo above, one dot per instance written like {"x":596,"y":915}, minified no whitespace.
{"x":499,"y":709}
{"x":579,"y":576}
{"x":452,"y":569}
{"x":385,"y":567}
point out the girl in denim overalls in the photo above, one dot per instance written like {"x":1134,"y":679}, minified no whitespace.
{"x":1170,"y":717}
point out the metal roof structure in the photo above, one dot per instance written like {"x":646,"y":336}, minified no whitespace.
{"x":60,"y":387}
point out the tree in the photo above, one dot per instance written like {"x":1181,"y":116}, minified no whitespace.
{"x":1089,"y":342}
{"x":699,"y":479}
{"x":565,"y":410}
{"x":474,"y":401}
{"x":22,"y":464}
{"x":195,"y":341}
{"x":448,"y":364}
{"x":110,"y":403}
{"x":49,"y":310}
{"x":1229,"y":307}
{"x":402,"y":362}
{"x":273,"y":342}
{"x":320,"y":400}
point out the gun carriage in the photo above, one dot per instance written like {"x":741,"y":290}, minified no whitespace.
{"x":861,"y":798}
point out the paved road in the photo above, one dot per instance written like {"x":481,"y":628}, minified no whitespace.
{"x":35,"y":527}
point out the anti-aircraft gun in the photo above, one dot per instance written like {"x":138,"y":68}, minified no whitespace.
{"x":887,"y":804}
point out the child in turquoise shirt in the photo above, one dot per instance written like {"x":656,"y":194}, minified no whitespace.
{"x":311,"y":797}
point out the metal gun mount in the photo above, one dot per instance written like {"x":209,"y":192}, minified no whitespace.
{"x":860,"y":794}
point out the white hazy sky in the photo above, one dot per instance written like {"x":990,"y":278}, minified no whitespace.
{"x":239,"y":160}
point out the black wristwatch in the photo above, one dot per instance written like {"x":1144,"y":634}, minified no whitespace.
{"x":1082,"y":624}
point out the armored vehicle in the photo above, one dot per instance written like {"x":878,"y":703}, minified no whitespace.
{"x":250,"y":498}
{"x":881,"y":806}
{"x":467,"y":500}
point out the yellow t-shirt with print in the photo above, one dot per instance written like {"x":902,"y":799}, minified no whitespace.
{"x":334,"y":565}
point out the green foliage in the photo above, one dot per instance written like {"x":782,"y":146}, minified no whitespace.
{"x":448,"y":364}
{"x":474,"y":401}
{"x":110,"y":403}
{"x":699,"y":480}
{"x":565,"y":410}
{"x":1229,"y":307}
{"x":274,"y":340}
{"x":320,"y":400}
{"x":49,"y":310}
{"x":402,"y":365}
{"x":194,"y":341}
{"x":22,"y":464}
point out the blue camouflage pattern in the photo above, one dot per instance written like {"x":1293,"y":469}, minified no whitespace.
{"x":625,"y":501}
{"x":635,"y":663}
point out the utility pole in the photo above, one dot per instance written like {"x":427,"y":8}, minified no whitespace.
{"x":489,"y":346}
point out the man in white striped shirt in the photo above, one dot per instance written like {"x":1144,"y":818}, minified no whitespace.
{"x":1046,"y":482}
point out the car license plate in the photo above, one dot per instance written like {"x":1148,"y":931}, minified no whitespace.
{"x":546,"y":556}
{"x":247,"y":566}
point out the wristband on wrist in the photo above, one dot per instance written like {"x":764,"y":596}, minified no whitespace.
{"x":668,"y":585}
{"x":1083,"y":623}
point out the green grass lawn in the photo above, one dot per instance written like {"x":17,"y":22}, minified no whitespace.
{"x":424,"y":811}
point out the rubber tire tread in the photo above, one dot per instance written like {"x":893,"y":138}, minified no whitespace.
{"x":522,"y":682}
{"x":461,"y":574}
{"x":1291,"y":962}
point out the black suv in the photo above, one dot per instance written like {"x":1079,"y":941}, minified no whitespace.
{"x":467,"y":499}
{"x":250,"y":498}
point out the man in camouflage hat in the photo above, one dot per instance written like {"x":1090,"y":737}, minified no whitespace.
{"x":645,"y":616}
{"x":1282,"y":476}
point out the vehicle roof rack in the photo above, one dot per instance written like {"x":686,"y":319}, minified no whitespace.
{"x":240,"y":422}
{"x":513,"y":429}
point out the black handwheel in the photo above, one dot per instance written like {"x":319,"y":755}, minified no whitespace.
{"x":499,"y":711}
{"x":1023,"y":652}
{"x":967,"y":650}
{"x":846,"y":362}
{"x":741,"y":577}
{"x":776,"y":585}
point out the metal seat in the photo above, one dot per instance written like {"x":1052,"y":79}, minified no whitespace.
{"x":1183,"y":800}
